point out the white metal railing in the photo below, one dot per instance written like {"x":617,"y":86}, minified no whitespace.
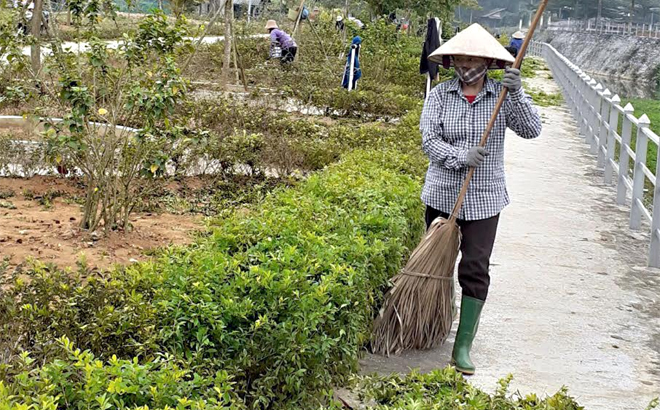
{"x":607,"y":27}
{"x":600,"y":116}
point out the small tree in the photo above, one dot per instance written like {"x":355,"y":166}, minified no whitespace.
{"x":120,"y":131}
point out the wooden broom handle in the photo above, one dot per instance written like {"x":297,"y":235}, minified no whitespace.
{"x":498,"y":106}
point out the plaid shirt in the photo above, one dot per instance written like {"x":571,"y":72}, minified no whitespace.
{"x":450,"y":125}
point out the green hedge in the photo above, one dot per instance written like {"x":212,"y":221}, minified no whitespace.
{"x":280,"y":298}
{"x":446,"y":389}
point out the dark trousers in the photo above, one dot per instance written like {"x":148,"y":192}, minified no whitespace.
{"x":477,"y":242}
{"x":288,"y":54}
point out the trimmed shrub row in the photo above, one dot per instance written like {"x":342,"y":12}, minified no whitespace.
{"x":279,"y":300}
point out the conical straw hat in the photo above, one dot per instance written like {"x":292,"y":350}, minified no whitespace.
{"x":474,"y":41}
{"x":519,"y":35}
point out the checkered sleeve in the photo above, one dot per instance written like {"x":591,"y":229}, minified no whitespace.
{"x":433,"y":143}
{"x":521,"y":115}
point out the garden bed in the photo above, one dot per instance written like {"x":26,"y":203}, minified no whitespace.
{"x":271,"y":305}
{"x":39,"y":219}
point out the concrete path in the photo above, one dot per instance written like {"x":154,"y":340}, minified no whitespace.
{"x":571,"y":302}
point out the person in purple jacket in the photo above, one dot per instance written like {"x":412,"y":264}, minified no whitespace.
{"x":278,"y":38}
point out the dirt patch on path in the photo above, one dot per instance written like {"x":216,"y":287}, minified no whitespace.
{"x":34,"y":226}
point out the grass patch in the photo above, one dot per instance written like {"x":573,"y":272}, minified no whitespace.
{"x":543,"y":99}
{"x":649,"y":107}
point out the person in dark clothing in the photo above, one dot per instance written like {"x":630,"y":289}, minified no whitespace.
{"x":431,"y":43}
{"x":517,"y":40}
{"x":512,"y":50}
{"x":392,"y":17}
{"x":339,"y":25}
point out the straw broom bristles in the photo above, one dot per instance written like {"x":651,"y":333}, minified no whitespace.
{"x":417,"y":313}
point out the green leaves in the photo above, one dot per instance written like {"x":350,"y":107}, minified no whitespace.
{"x":281,"y":299}
{"x":80,"y":380}
{"x":156,"y":37}
{"x":446,"y":389}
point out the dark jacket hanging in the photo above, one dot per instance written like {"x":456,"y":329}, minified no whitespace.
{"x":431,"y":44}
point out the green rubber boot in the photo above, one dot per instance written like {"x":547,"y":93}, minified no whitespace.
{"x":467,"y":329}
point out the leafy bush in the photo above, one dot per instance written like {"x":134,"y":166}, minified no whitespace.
{"x":391,"y":83}
{"x":446,"y":389}
{"x":101,"y":92}
{"x":362,"y":103}
{"x":80,"y":380}
{"x":281,"y":296}
{"x":21,"y":158}
{"x":255,"y":135}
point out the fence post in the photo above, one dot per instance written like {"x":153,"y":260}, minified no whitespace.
{"x":638,"y":175}
{"x":624,"y":158}
{"x":654,"y":249}
{"x":570,"y":87}
{"x":582,"y":105}
{"x":611,"y":140}
{"x":604,"y":126}
{"x":595,"y":122}
{"x":585,"y":107}
{"x":575,"y":91}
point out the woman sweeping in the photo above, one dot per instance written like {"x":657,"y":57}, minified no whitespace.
{"x":454,"y":118}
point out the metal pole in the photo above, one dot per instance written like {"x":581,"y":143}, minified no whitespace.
{"x":249,"y":10}
{"x":350,"y":72}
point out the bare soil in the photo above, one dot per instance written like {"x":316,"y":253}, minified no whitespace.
{"x":49,"y":230}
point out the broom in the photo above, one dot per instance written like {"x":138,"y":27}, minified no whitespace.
{"x":417,"y":311}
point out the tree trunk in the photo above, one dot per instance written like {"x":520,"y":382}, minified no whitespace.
{"x":36,"y":31}
{"x":343,"y":34}
{"x":226,"y":64}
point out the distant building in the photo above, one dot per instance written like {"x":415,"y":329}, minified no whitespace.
{"x":492,"y":18}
